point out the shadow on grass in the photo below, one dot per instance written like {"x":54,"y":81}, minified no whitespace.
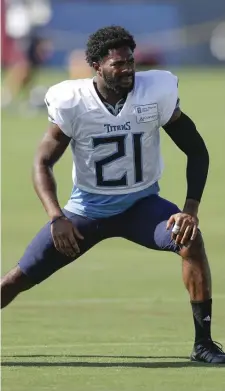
{"x":91,"y":356}
{"x":119,"y":364}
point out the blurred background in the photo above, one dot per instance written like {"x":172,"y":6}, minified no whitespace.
{"x":50,"y":35}
{"x":119,"y":300}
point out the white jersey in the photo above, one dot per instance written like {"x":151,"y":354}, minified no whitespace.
{"x":114,"y":154}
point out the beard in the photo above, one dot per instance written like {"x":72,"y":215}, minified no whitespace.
{"x":116,"y":84}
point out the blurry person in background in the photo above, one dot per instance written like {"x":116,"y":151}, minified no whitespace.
{"x":24,"y":48}
{"x":20,"y":76}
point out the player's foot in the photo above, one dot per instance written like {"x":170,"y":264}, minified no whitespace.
{"x":209,"y":352}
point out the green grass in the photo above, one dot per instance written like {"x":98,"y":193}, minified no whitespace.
{"x":119,"y":318}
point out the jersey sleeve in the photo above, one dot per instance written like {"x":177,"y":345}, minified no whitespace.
{"x":169,"y":100}
{"x":58,"y":100}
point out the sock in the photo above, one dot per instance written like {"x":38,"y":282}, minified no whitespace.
{"x":202,"y":314}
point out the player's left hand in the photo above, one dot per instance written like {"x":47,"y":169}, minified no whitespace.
{"x":185,"y":228}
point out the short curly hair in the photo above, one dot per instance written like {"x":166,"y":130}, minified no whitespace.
{"x":106,"y":38}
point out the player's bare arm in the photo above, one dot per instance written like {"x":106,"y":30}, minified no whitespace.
{"x":183,"y":132}
{"x":51,"y":148}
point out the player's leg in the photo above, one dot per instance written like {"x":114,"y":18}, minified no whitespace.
{"x":150,"y":217}
{"x":145,"y":224}
{"x":41,"y":259}
{"x":13,"y":283}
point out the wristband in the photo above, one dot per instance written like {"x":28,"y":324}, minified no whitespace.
{"x":57,"y":218}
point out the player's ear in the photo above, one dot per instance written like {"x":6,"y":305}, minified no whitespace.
{"x":96,"y":67}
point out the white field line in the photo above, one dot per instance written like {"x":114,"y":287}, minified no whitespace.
{"x":99,"y":344}
{"x":117,"y":300}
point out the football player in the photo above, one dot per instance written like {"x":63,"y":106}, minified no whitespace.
{"x":112,"y":124}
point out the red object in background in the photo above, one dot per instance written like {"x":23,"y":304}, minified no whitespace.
{"x":10,"y":49}
{"x":150,"y":57}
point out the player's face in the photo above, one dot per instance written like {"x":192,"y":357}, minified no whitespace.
{"x":118,"y":70}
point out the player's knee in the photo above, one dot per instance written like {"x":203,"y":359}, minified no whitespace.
{"x":16,"y":280}
{"x":196,"y":250}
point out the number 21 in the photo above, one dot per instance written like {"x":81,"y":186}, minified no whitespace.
{"x":120,"y":141}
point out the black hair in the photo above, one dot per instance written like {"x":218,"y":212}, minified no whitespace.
{"x":111,"y":37}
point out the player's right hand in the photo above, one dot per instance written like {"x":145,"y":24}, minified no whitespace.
{"x":65,"y":235}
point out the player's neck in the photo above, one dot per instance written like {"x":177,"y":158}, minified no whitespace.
{"x":107,"y":94}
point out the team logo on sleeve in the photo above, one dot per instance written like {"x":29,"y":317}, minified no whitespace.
{"x":147,"y":113}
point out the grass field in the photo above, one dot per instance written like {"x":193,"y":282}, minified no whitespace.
{"x":119,"y":319}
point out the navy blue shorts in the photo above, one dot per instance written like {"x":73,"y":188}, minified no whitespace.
{"x":144,"y":223}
